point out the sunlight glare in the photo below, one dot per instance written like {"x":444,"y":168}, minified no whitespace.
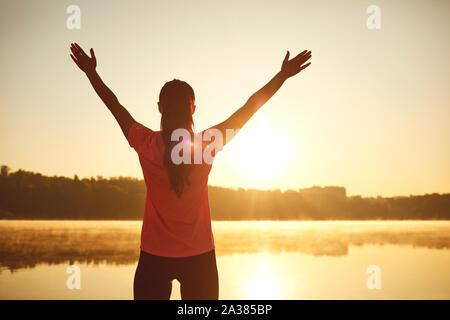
{"x":261,"y":152}
{"x":263,"y":285}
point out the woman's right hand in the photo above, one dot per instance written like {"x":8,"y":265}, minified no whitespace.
{"x":291,"y":67}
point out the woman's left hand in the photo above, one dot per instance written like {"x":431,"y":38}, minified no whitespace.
{"x":84,"y":62}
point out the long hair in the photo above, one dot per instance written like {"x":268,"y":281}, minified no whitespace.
{"x":175,"y":100}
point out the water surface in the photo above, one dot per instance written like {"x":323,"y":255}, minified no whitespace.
{"x":256,"y":260}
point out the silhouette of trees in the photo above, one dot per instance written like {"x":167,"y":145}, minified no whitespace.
{"x":29,"y":195}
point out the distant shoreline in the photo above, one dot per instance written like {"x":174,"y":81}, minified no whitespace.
{"x":30,"y":195}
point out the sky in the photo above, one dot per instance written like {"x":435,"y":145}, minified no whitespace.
{"x":372,"y":112}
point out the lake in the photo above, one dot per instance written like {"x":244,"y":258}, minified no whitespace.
{"x":256,"y":260}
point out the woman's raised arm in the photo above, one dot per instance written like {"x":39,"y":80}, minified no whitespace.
{"x":289,"y":68}
{"x":88,"y":65}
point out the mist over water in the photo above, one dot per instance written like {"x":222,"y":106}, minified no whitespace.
{"x":256,"y":260}
{"x":25,"y":244}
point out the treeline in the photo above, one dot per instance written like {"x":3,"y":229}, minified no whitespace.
{"x":29,"y":195}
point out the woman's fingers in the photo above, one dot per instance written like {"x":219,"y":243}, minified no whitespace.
{"x":79,"y":48}
{"x":74,"y":60}
{"x":93,"y":58}
{"x":286,"y":58}
{"x":300,"y":54}
{"x":305,"y":66}
{"x":73,"y":47}
{"x":74,"y":51}
{"x":305,"y":58}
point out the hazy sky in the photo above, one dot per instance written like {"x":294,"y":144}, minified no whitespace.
{"x":372,"y":112}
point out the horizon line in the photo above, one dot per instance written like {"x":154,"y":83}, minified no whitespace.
{"x":283,"y":190}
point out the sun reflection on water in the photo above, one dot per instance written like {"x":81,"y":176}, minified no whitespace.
{"x":263,"y":285}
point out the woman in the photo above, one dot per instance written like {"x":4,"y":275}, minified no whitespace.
{"x":176,"y":239}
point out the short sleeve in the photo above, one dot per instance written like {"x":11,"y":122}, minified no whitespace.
{"x":139,"y":136}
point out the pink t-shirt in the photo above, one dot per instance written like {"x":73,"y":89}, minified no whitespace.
{"x":172,"y":226}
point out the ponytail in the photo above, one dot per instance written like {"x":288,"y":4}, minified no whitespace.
{"x":175,"y":100}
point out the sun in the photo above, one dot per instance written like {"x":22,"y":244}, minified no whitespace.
{"x":261,"y":151}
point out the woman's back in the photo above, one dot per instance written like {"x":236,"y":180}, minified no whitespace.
{"x":173,"y":226}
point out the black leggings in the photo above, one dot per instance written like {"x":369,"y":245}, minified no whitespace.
{"x":197,"y":276}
